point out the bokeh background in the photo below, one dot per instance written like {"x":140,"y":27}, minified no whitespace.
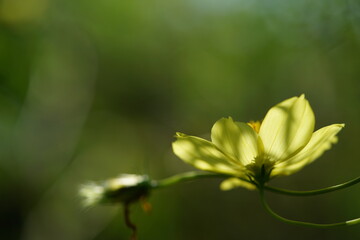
{"x":92,"y":89}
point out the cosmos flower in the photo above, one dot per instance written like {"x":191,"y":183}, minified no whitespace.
{"x":253,"y":153}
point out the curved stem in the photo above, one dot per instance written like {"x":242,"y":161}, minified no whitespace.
{"x":187,"y":176}
{"x":313,"y":192}
{"x":308,"y":224}
{"x":128,"y":222}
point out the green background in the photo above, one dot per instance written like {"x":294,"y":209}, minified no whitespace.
{"x":92,"y":89}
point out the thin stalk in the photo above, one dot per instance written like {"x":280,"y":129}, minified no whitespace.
{"x":182,"y":177}
{"x":313,"y":192}
{"x":307,"y":224}
{"x":129,"y":223}
{"x":189,"y":176}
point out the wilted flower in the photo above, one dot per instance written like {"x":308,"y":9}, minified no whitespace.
{"x":124,"y":189}
{"x":256,"y":152}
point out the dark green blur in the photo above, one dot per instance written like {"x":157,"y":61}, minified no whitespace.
{"x":92,"y":89}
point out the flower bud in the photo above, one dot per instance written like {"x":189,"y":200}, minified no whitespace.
{"x":126,"y":188}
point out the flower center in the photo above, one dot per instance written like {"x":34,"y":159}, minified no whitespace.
{"x":260,"y":169}
{"x":255,"y":125}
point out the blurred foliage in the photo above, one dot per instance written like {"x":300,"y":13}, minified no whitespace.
{"x":92,"y":89}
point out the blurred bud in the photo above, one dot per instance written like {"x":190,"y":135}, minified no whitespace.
{"x":126,"y":188}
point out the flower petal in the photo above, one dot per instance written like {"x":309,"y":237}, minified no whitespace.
{"x":231,"y":183}
{"x":238,"y":139}
{"x":204,"y":155}
{"x":318,"y":144}
{"x":287,"y":128}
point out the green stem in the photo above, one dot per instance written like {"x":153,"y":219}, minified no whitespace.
{"x":188,"y":176}
{"x":313,"y":192}
{"x":308,"y":224}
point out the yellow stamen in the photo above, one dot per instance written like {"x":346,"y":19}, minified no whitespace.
{"x":255,"y":125}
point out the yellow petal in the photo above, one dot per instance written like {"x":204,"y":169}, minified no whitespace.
{"x":238,"y":139}
{"x":204,"y":155}
{"x":321,"y":141}
{"x":231,"y":183}
{"x":287,"y":128}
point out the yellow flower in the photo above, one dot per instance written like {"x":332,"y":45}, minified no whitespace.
{"x":282,"y":144}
